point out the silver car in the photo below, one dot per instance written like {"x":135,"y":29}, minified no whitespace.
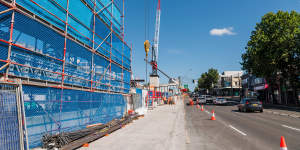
{"x":220,"y":101}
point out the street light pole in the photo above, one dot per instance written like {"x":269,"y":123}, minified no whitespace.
{"x":231,"y":88}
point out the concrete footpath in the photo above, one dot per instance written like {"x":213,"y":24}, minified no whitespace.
{"x":163,"y":128}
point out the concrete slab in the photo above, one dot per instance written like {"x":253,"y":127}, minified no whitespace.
{"x":161,"y":129}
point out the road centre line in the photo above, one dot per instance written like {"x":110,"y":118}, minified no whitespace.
{"x":244,"y":134}
{"x":291,"y":127}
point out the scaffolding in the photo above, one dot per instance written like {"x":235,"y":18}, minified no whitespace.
{"x":71,"y":58}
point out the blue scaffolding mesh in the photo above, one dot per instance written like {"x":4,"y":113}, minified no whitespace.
{"x":78,"y":65}
{"x":40,"y":53}
{"x":4,"y":23}
{"x":42,"y":9}
{"x":51,"y":110}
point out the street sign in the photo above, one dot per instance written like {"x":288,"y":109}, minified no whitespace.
{"x":186,"y":86}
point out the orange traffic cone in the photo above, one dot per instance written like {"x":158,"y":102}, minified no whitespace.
{"x":191,"y":102}
{"x":282,"y":144}
{"x":85,"y":145}
{"x":202,"y":109}
{"x":213,"y":115}
{"x":198,"y":106}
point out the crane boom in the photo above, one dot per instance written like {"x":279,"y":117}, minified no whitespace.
{"x":157,"y":28}
{"x":155,"y":42}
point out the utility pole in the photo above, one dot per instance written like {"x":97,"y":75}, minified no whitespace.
{"x":231,"y":88}
{"x":240,"y":86}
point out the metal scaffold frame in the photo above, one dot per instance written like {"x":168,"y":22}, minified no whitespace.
{"x":15,"y":7}
{"x":81,"y":72}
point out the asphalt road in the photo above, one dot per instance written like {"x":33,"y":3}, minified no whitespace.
{"x":233,"y":130}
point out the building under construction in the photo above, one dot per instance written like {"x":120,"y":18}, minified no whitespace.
{"x":63,"y":65}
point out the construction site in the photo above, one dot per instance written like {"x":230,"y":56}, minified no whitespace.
{"x":63,"y":70}
{"x":70,"y":78}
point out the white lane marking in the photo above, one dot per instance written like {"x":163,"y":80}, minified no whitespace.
{"x":291,"y":127}
{"x":187,"y":138}
{"x":244,"y":134}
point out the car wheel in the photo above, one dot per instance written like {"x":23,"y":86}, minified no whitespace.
{"x":239,"y":110}
{"x":261,"y":110}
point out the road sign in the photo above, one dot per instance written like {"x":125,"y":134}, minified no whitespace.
{"x":186,"y":86}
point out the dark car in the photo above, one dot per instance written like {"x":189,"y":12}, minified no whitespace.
{"x":250,"y":104}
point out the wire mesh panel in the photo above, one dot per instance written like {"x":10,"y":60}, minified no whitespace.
{"x":53,"y":110}
{"x":137,"y":99}
{"x":9,"y":127}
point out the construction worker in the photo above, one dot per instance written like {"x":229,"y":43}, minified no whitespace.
{"x":165,"y":100}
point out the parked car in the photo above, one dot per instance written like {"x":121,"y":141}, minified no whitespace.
{"x":195,"y":97}
{"x":250,"y":104}
{"x":208,"y":99}
{"x":201,"y":100}
{"x":220,"y":101}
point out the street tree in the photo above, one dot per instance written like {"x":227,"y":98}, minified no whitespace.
{"x":208,"y":79}
{"x":273,"y":48}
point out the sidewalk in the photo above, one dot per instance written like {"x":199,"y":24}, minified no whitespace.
{"x":293,"y":114}
{"x":283,"y":110}
{"x":161,"y":129}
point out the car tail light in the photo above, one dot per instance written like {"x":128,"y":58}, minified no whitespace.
{"x":260,"y":102}
{"x":247,"y":103}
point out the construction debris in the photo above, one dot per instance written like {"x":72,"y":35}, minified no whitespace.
{"x":75,"y":139}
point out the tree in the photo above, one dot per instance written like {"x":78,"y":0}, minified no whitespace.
{"x":196,"y":89}
{"x":208,"y":79}
{"x":273,"y":48}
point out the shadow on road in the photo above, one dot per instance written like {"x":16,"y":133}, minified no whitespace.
{"x":281,"y":107}
{"x":237,"y":111}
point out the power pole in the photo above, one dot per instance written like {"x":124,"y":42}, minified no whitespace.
{"x":231,"y":87}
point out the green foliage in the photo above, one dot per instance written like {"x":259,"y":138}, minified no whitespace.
{"x":196,"y":89}
{"x":208,"y":79}
{"x":274,"y":46}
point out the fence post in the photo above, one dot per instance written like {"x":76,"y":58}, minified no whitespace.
{"x":20,"y":118}
{"x":24,"y":127}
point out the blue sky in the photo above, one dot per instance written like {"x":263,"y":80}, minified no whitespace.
{"x":197,"y":34}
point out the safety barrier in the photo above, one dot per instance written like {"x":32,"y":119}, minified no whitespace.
{"x":12,"y":124}
{"x":52,"y":110}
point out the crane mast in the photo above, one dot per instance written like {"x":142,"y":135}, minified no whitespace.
{"x":156,"y":41}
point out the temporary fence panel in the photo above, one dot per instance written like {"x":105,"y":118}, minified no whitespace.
{"x":11,"y":129}
{"x":139,"y":102}
{"x":52,"y":110}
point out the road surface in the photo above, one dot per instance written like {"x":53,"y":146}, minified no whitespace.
{"x":235,"y":130}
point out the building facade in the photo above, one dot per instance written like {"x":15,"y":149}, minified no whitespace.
{"x":229,"y":84}
{"x":71,"y":60}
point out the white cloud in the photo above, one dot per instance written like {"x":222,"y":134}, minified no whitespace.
{"x":221,"y":32}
